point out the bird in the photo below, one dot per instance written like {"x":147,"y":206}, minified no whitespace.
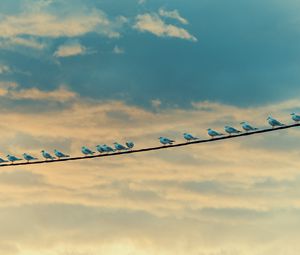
{"x":47,"y":155}
{"x":3,"y":160}
{"x":100,"y":148}
{"x":273,"y":122}
{"x":119,"y":147}
{"x":295,"y":117}
{"x":59,"y":154}
{"x":28,"y":157}
{"x":12,"y":158}
{"x":247,"y":127}
{"x":231,"y":130}
{"x":189,"y":137}
{"x":129,"y":145}
{"x":107,"y":148}
{"x":213,"y":133}
{"x":86,"y":151}
{"x":165,"y":140}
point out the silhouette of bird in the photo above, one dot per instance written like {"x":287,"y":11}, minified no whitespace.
{"x":3,"y":160}
{"x":12,"y":158}
{"x":295,"y":117}
{"x":119,"y":147}
{"x":129,"y":145}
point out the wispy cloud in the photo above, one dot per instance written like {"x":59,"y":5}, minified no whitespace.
{"x":151,"y":22}
{"x":118,"y":50}
{"x":4,"y":69}
{"x":173,"y":15}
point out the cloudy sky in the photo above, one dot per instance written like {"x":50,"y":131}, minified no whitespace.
{"x":85,"y":72}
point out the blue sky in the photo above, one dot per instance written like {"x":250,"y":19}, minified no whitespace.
{"x":239,"y":52}
{"x":76,"y":73}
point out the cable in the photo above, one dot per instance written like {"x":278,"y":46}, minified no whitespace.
{"x":153,"y":148}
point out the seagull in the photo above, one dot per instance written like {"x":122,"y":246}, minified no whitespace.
{"x":47,"y":155}
{"x":231,"y":130}
{"x":213,"y":133}
{"x":119,"y":147}
{"x":2,"y":160}
{"x":295,"y":117}
{"x":12,"y":158}
{"x":86,"y":151}
{"x":189,"y":137}
{"x":129,"y":145}
{"x":273,"y":122}
{"x":28,"y":157}
{"x":165,"y":140}
{"x":100,"y":148}
{"x":59,"y":154}
{"x":107,"y":148}
{"x":247,"y":127}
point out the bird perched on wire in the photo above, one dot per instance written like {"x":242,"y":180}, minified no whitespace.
{"x":47,"y":155}
{"x":165,"y":140}
{"x":86,"y":151}
{"x":119,"y":147}
{"x":129,"y":145}
{"x":273,"y":122}
{"x":100,"y":148}
{"x":107,"y":148}
{"x":231,"y":130}
{"x":189,"y":137}
{"x":247,"y":127}
{"x":295,"y":117}
{"x":28,"y":157}
{"x":3,"y":160}
{"x":59,"y":154}
{"x":212,"y":133}
{"x":12,"y":158}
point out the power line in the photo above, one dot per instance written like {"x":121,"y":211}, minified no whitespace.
{"x":153,"y":148}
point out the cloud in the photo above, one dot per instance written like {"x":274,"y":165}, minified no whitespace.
{"x":70,"y":49}
{"x":151,"y":22}
{"x":173,"y":15}
{"x":118,"y":50}
{"x":12,"y":91}
{"x":4,"y":69}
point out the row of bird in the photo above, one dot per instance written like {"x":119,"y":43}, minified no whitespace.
{"x":163,"y":140}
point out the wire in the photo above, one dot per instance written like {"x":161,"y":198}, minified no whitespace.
{"x":154,"y":148}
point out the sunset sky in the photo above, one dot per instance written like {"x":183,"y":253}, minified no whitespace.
{"x":86,"y":72}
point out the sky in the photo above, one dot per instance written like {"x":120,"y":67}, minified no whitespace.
{"x":87,"y":72}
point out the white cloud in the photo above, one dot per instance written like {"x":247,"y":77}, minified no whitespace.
{"x":10,"y":90}
{"x":4,"y":69}
{"x":151,"y":22}
{"x":173,"y":15}
{"x":118,"y":50}
{"x":70,"y":49}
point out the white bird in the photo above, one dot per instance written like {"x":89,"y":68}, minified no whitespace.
{"x":86,"y":151}
{"x":2,"y":160}
{"x":47,"y":155}
{"x":247,"y":127}
{"x":129,"y":145}
{"x":231,"y":130}
{"x":273,"y":122}
{"x":213,"y":133}
{"x":119,"y":147}
{"x":12,"y":158}
{"x":189,"y":137}
{"x":59,"y":154}
{"x":295,"y":117}
{"x":165,"y":140}
{"x":28,"y":157}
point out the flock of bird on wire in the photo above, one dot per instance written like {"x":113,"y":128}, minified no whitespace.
{"x":129,"y":145}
